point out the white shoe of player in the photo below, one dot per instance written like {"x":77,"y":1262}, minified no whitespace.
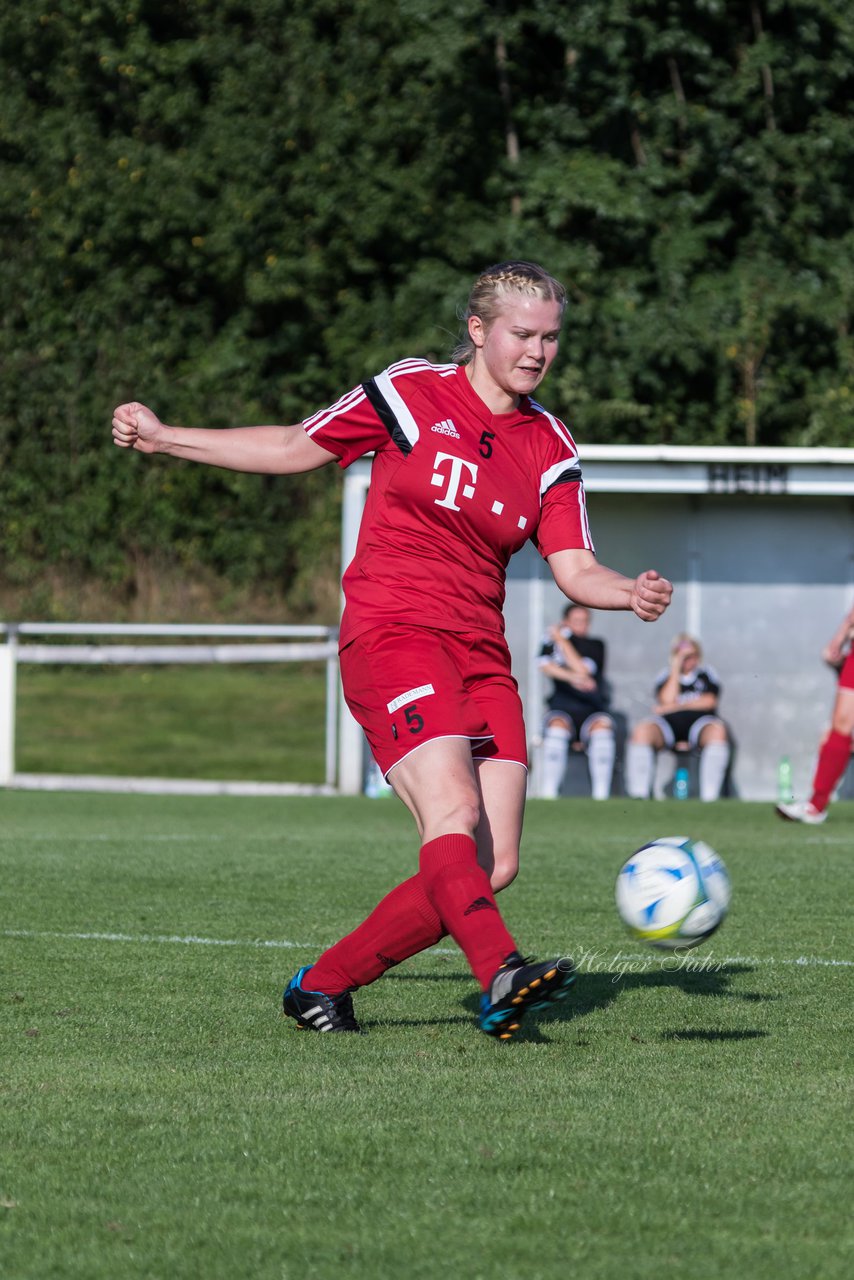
{"x":802,"y":811}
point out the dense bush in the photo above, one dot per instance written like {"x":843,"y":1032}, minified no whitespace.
{"x":236,"y":210}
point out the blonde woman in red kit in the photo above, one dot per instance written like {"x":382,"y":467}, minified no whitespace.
{"x":467,"y":467}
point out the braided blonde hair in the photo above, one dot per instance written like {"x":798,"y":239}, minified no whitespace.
{"x":491,"y":289}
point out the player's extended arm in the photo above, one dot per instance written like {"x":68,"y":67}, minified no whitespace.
{"x":263,"y":450}
{"x":583,"y":579}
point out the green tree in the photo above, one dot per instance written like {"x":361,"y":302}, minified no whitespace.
{"x":236,"y":210}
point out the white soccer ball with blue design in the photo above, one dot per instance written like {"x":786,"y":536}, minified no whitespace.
{"x":673,"y":893}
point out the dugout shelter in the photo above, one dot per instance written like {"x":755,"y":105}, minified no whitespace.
{"x":759,"y":544}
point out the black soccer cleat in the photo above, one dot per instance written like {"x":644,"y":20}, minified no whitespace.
{"x":315,"y":1011}
{"x":520,"y":987}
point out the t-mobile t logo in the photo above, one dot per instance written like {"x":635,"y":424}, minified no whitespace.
{"x":453,"y":477}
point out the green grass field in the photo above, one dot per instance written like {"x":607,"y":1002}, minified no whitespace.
{"x":260,"y":723}
{"x":161,"y":1120}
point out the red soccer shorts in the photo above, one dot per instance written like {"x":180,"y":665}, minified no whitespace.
{"x":409,"y":685}
{"x":846,"y":675}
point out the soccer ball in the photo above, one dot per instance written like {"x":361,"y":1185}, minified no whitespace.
{"x":673,"y":893}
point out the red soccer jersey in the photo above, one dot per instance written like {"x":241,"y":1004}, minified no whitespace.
{"x":455,"y":491}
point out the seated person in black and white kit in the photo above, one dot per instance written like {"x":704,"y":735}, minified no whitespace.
{"x":577,"y":706}
{"x":685,"y":715}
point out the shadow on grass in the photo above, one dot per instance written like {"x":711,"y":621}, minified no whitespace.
{"x":598,"y":990}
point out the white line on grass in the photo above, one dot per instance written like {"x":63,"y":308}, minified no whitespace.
{"x":142,"y":838}
{"x":189,"y":940}
{"x":590,"y":961}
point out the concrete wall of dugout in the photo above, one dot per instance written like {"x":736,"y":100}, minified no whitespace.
{"x":759,"y":544}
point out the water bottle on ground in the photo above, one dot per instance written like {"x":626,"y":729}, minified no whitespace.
{"x":680,"y":784}
{"x":785,"y":794}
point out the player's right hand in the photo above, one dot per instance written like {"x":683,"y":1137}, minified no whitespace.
{"x":651,"y":594}
{"x":136,"y":427}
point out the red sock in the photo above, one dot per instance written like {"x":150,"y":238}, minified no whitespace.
{"x":459,"y":889}
{"x":403,"y":924}
{"x":832,"y":763}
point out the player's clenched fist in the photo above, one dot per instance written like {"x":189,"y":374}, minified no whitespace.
{"x":136,"y":427}
{"x":651,"y":595}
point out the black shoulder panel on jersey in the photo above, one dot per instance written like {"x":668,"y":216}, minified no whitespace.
{"x":386,"y":416}
{"x":566,"y":477}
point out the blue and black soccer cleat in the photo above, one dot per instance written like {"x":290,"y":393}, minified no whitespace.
{"x":520,"y":987}
{"x":314,"y":1011}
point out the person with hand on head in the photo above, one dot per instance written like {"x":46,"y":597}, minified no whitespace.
{"x":467,"y":467}
{"x":835,"y":749}
{"x":575,"y":661}
{"x":685,"y":715}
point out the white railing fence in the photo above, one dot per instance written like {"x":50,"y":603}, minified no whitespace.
{"x":293,"y":644}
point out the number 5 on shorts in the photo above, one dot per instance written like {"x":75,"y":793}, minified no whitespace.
{"x":413,"y":719}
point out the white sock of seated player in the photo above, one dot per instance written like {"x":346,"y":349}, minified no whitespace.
{"x":714,"y":759}
{"x":556,"y":742}
{"x":640,"y":767}
{"x":601,"y":751}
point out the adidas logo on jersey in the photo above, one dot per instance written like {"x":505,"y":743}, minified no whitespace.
{"x":446,"y":428}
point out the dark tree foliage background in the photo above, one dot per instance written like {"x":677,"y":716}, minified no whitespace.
{"x":236,"y":211}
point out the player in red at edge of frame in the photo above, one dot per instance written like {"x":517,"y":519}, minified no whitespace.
{"x":467,"y":467}
{"x":835,"y":748}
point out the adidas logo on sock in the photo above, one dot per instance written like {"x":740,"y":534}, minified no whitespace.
{"x":479,"y":904}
